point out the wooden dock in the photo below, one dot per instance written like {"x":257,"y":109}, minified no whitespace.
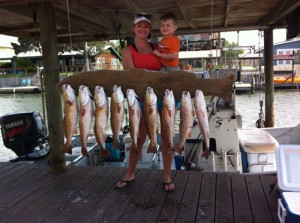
{"x":32,"y":193}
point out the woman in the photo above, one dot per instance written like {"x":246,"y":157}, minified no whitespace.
{"x":140,"y":55}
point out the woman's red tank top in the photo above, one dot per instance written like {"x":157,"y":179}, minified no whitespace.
{"x":145,"y":61}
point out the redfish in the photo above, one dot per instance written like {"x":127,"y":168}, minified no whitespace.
{"x":186,"y":119}
{"x":201,"y":112}
{"x":135,"y":114}
{"x":85,"y":117}
{"x":117,"y":114}
{"x":168,"y":119}
{"x":70,"y":116}
{"x":151,"y":117}
{"x":101,"y":118}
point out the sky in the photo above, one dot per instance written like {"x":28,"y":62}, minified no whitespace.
{"x":251,"y":38}
{"x":6,"y":40}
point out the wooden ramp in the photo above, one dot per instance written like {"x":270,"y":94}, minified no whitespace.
{"x":31,"y":193}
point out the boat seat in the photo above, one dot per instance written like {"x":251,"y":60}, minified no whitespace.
{"x":24,"y":82}
{"x":257,"y":141}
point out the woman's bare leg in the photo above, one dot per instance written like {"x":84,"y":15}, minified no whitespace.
{"x":133,"y":157}
{"x":167,"y":162}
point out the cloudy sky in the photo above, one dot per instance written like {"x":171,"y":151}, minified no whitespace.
{"x":250,"y":38}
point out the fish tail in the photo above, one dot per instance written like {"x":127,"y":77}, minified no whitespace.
{"x":115,"y":144}
{"x":178,"y":149}
{"x":205,"y":153}
{"x":152,"y":148}
{"x":170,"y":150}
{"x":67,"y":148}
{"x":84,"y":151}
{"x":102,"y":145}
{"x":104,"y":153}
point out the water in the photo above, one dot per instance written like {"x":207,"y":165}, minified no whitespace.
{"x":286,"y":108}
{"x":286,"y":105}
{"x":11,"y":103}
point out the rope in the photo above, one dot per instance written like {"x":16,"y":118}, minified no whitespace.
{"x":211,"y":27}
{"x":260,"y":123}
{"x":70,"y":33}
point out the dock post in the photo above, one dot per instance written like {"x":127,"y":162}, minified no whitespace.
{"x":269,"y":74}
{"x":252,"y":84}
{"x":51,"y":78}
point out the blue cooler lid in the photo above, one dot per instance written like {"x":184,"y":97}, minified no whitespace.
{"x":292,"y":199}
{"x":288,"y":167}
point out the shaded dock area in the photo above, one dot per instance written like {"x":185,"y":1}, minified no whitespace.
{"x":32,"y":193}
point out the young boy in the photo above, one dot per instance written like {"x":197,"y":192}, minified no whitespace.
{"x":169,"y":46}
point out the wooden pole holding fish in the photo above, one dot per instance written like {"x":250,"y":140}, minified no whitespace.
{"x":48,"y":38}
{"x":139,"y":80}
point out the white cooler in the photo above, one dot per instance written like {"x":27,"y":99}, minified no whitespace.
{"x":260,"y":147}
{"x":288,"y":174}
{"x":146,"y":160}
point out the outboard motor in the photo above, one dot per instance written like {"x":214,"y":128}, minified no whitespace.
{"x":25,"y":134}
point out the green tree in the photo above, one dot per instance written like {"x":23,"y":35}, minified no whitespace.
{"x":232,"y":53}
{"x":94,"y":47}
{"x":26,"y":45}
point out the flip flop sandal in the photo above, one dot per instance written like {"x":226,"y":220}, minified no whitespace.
{"x":168,"y":184}
{"x":124,"y":183}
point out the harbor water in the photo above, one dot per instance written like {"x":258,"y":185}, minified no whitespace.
{"x":286,"y":110}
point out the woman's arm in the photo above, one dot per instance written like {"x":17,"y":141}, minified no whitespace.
{"x":127,"y":60}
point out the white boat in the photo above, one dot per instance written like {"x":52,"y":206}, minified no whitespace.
{"x":21,"y":89}
{"x":232,"y":148}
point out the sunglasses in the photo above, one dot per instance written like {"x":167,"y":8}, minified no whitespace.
{"x":141,"y":15}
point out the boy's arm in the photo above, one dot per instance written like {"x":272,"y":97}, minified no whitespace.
{"x":167,"y":56}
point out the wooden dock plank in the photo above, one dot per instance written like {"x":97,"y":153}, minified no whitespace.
{"x":173,"y":200}
{"x":258,"y":202}
{"x":188,"y":207}
{"x":206,"y":202}
{"x":78,"y":204}
{"x":88,"y":194}
{"x":126,"y":197}
{"x":224,"y":210}
{"x":20,"y":178}
{"x":5,"y":166}
{"x":138,"y":203}
{"x":241,"y":203}
{"x":102,"y":187}
{"x":271,"y":195}
{"x":18,"y":188}
{"x":37,"y":188}
{"x":14,"y":170}
{"x":56,"y":196}
{"x":155,"y":202}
